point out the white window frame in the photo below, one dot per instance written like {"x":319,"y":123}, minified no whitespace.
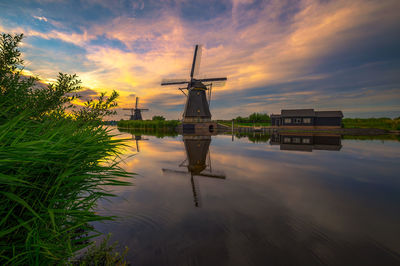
{"x":287,"y":120}
{"x":297,"y":120}
{"x":307,"y":120}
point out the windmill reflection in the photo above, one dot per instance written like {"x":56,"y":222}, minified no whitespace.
{"x":197,"y":162}
{"x":138,"y":138}
{"x":306,"y":142}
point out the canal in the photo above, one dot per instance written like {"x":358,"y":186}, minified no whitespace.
{"x":258,"y":200}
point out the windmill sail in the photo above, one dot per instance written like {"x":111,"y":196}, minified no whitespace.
{"x":196,"y":61}
{"x":173,"y":81}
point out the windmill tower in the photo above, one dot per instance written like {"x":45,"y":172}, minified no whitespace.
{"x":136,"y":113}
{"x":197,"y":162}
{"x":196,"y":114}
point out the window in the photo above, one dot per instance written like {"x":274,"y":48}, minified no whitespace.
{"x":288,"y":120}
{"x":286,"y":140}
{"x":307,"y":120}
{"x":296,"y":140}
{"x":297,"y":120}
{"x":306,"y":141}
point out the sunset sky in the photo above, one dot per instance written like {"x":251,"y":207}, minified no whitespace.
{"x":327,"y":55}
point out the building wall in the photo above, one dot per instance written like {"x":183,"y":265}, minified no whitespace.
{"x":297,"y":121}
{"x":316,"y":122}
{"x":328,"y":121}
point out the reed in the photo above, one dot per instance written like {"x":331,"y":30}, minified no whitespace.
{"x":54,"y":166}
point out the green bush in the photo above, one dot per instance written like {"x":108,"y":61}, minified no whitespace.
{"x":254,"y":118}
{"x":158,"y":117}
{"x":54,"y":164}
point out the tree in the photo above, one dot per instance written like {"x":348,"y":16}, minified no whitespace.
{"x":19,"y":93}
{"x":158,"y":118}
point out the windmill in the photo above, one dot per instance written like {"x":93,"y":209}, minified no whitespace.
{"x":197,"y":162}
{"x":136,"y":113}
{"x":197,"y":107}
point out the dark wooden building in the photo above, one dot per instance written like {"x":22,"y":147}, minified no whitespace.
{"x":308,"y":118}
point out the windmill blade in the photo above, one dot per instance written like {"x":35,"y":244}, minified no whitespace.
{"x":137,"y":102}
{"x":212,"y":79}
{"x":216,"y":82}
{"x":196,"y":61}
{"x":128,"y":109}
{"x":173,"y":81}
{"x":210,"y":174}
{"x":143,"y":109}
{"x":174,"y":171}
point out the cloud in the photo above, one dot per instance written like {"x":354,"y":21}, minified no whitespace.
{"x":258,"y":46}
{"x":40,"y":18}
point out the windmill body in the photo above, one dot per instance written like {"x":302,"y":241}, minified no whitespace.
{"x":196,"y":114}
{"x":136,"y":113}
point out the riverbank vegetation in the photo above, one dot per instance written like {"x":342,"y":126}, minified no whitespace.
{"x":380,"y":123}
{"x":159,"y":125}
{"x":136,"y":133}
{"x":54,"y":164}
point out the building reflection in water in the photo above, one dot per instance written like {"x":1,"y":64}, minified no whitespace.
{"x":306,"y":142}
{"x":197,"y":163}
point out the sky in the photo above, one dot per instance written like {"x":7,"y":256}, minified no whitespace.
{"x":278,"y":54}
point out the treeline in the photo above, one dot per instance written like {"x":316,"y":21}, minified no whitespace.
{"x":380,"y":123}
{"x":164,"y":125}
{"x":55,"y":162}
{"x":254,"y":118}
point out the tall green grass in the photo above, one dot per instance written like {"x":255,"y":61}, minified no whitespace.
{"x":52,"y":174}
{"x":53,"y":165}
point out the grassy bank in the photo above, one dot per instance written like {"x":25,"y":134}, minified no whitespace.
{"x":54,"y":163}
{"x":168,"y":125}
{"x":149,"y":132}
{"x":380,"y":123}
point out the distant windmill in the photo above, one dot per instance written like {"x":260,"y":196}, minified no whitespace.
{"x":197,"y":107}
{"x":198,"y":163}
{"x":136,"y":113}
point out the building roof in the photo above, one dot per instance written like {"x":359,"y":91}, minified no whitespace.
{"x":275,"y":116}
{"x":329,"y":114}
{"x":298,"y":112}
{"x":309,"y":113}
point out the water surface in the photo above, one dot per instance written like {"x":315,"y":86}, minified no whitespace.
{"x":280,"y":200}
